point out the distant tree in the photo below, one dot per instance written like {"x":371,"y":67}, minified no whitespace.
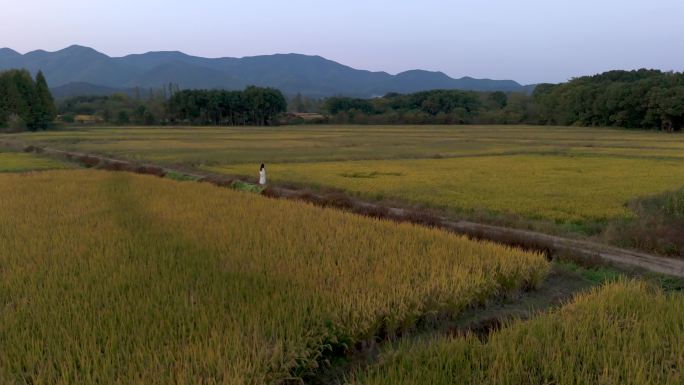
{"x":45,"y":110}
{"x":666,"y":108}
{"x":23,"y":103}
{"x":516,"y":109}
{"x":336,"y":105}
{"x":298,"y":103}
{"x":498,"y":98}
{"x":68,"y":118}
{"x":139,"y":114}
{"x":123,"y":118}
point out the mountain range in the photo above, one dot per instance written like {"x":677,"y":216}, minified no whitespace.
{"x":81,"y":70}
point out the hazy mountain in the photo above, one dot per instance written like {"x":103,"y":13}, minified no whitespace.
{"x":82,"y":69}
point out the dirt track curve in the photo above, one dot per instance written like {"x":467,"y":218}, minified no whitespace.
{"x":581,"y":250}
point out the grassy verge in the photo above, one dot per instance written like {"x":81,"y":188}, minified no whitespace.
{"x":247,"y":187}
{"x":180,"y":177}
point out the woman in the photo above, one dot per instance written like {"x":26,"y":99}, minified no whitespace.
{"x":262,"y":175}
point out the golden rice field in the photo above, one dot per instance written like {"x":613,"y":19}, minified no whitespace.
{"x":254,"y":145}
{"x":564,"y":189}
{"x":625,"y":333}
{"x":20,"y":162}
{"x":568,"y":175}
{"x":115,"y":278}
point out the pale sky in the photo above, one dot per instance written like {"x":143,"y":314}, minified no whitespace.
{"x":529,"y":41}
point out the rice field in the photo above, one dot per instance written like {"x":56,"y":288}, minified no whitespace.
{"x":567,"y":175}
{"x":562,"y":189}
{"x":255,"y":145}
{"x":624,"y":333}
{"x":21,"y":162}
{"x":111,"y":277}
{"x":117,"y":278}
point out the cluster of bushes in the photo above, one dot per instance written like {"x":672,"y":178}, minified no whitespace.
{"x":25,"y":103}
{"x":632,"y":99}
{"x":658,"y":225}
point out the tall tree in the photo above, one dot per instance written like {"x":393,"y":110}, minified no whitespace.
{"x":45,"y":112}
{"x":19,"y":102}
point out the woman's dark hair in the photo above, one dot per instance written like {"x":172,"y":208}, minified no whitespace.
{"x":262,"y":167}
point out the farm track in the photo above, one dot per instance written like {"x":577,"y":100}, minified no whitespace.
{"x":582,"y":251}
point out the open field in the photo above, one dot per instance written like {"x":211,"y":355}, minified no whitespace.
{"x":559,"y":174}
{"x":623,"y":333}
{"x":119,"y":278}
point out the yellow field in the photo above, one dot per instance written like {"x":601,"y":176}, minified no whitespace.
{"x":254,"y":145}
{"x":569,"y":175}
{"x":19,"y":162}
{"x":564,"y":189}
{"x":119,"y":278}
{"x":625,"y":333}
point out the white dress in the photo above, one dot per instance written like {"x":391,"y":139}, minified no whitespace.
{"x":262,"y":176}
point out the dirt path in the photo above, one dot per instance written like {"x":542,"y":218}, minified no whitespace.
{"x":580,"y":250}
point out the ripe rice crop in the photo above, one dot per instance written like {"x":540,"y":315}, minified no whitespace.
{"x":117,"y":278}
{"x":236,"y":145}
{"x":560,"y":188}
{"x":586,"y":175}
{"x":20,"y":162}
{"x":625,"y":333}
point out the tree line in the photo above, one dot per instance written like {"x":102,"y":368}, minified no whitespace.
{"x":117,"y":109}
{"x":632,"y":99}
{"x":252,"y":106}
{"x":25,"y":103}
